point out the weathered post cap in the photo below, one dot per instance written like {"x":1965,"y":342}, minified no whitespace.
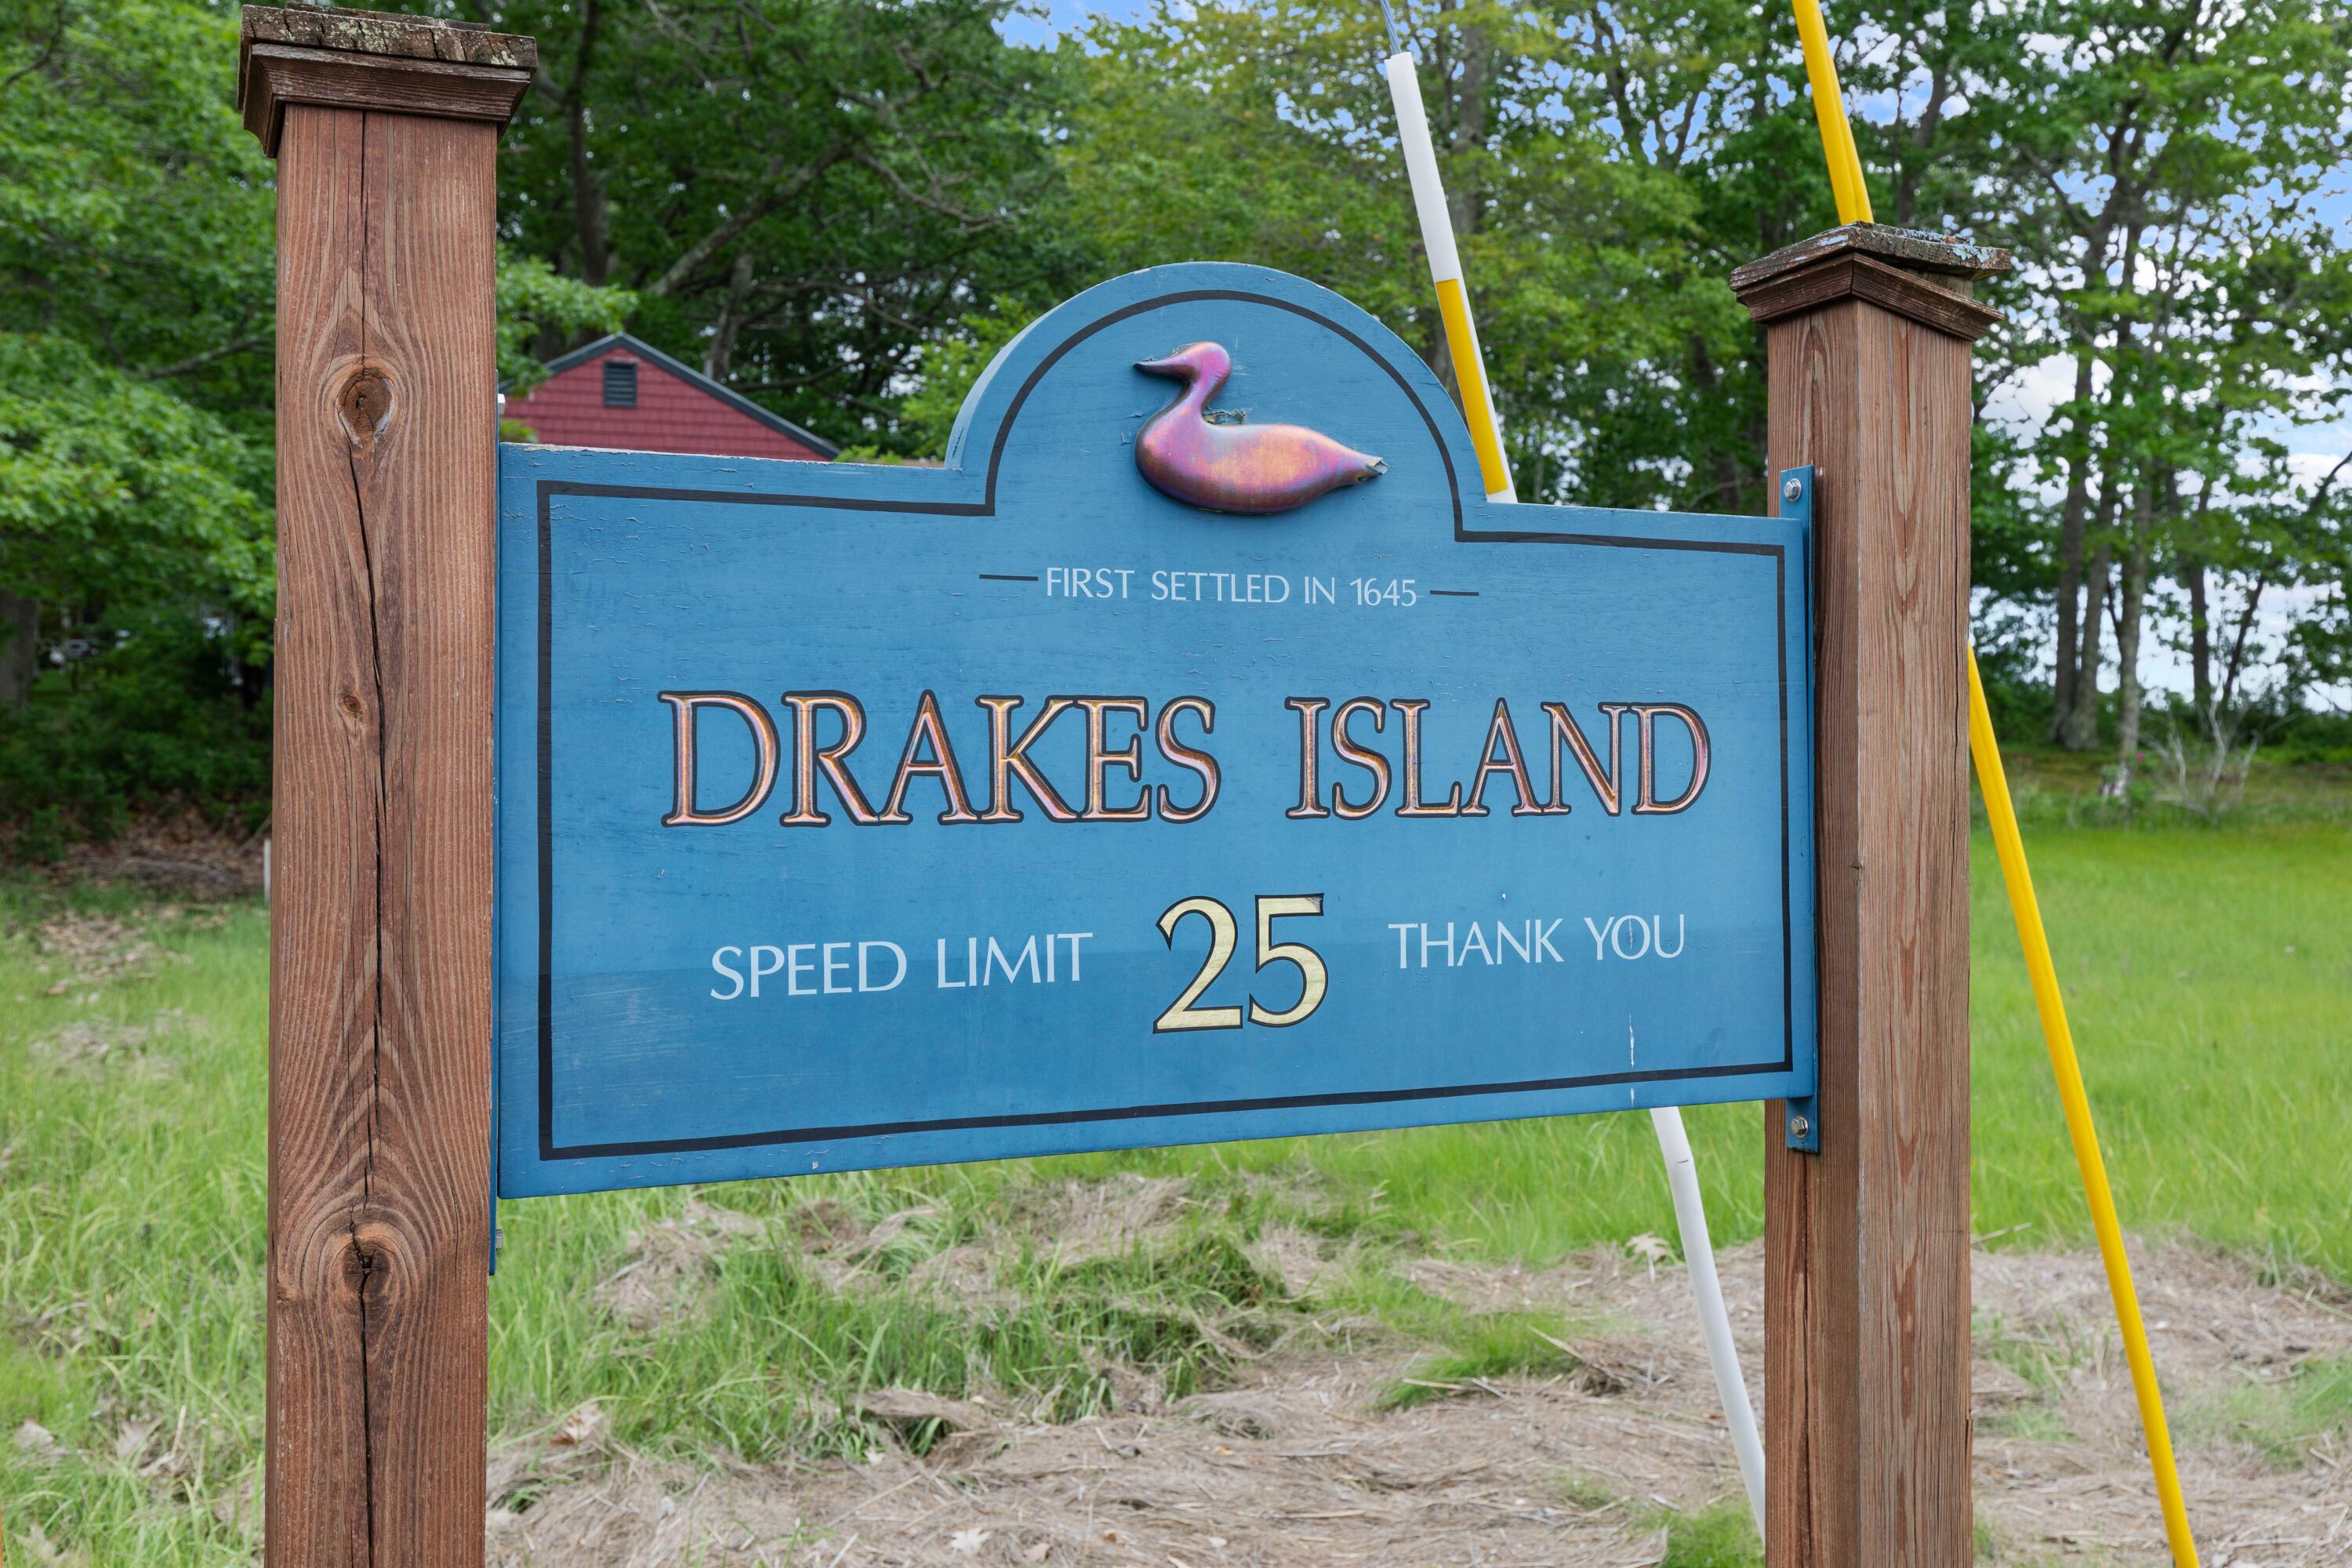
{"x":1925,"y":277}
{"x":375,"y":59}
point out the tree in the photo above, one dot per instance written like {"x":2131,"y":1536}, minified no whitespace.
{"x":134,"y":289}
{"x":136,"y":388}
{"x":1581,"y":150}
{"x":800,"y":196}
{"x":2170,"y":151}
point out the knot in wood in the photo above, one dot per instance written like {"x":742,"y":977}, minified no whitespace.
{"x":361,"y":1262}
{"x":373,"y":1252}
{"x":364,"y":403}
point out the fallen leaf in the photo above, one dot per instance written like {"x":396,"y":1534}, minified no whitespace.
{"x":1655,"y":1248}
{"x":582,"y":1424}
{"x":967,"y":1541}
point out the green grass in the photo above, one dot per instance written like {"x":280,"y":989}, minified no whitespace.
{"x":2042,"y":1360}
{"x":1481,"y":1346}
{"x":2042,"y":1355}
{"x":2208,"y":973}
{"x":2282,"y":1418}
{"x":760,"y":1366}
{"x":2209,"y":976}
{"x":1719,"y":1536}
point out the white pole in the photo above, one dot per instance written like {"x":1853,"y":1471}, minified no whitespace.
{"x":1487,"y":437}
{"x":1714,"y":1321}
{"x":1445,"y":272}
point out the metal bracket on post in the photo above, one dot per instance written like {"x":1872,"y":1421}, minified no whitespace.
{"x":1803,"y":1124}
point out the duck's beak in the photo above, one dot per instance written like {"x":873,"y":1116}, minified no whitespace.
{"x":1170,"y":365}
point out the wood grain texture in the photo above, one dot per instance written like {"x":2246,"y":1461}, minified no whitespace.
{"x":276,"y":75}
{"x":1789,"y":292}
{"x":380,"y":987}
{"x":1867,"y":1354}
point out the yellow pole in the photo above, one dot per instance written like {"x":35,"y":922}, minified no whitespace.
{"x":1853,"y":206}
{"x":2027,"y":909}
{"x":1846,"y":183}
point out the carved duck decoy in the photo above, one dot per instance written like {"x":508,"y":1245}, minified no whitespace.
{"x":1253,"y":468}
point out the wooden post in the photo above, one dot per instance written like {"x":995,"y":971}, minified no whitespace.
{"x":385,"y":131}
{"x":1867,"y":1242}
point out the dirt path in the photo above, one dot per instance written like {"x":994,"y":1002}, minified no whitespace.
{"x":1296,"y":1466}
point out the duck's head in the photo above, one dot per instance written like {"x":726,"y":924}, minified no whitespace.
{"x":1193,"y":362}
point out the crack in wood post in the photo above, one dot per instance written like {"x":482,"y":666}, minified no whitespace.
{"x":386,"y":133}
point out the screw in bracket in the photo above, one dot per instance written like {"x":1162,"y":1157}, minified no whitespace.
{"x":1791,"y":488}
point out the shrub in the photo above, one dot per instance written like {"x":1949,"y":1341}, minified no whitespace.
{"x":161,"y":720}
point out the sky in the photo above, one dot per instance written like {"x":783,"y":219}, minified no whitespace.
{"x":1064,"y":15}
{"x":2027,"y":401}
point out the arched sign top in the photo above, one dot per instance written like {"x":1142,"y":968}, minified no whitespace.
{"x":1300,"y":354}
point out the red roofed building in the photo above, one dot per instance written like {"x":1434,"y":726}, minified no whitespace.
{"x":620,"y":393}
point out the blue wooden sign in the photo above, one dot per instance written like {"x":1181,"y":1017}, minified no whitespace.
{"x":1198,"y":755}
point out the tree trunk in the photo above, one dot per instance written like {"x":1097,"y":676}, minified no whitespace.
{"x":2246,"y":614}
{"x":592,"y":217}
{"x":1469,"y":125}
{"x":2070,"y":562}
{"x":20,"y":634}
{"x":1706,"y":378}
{"x":1439,"y":357}
{"x":2079,"y":730}
{"x":2200,"y":637}
{"x":721,"y":354}
{"x":2127,"y":625}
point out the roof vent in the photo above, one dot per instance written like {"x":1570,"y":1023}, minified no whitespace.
{"x":620,"y":384}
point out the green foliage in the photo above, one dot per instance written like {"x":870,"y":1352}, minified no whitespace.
{"x":2307,"y":737}
{"x":803,"y":199}
{"x":1264,"y":132}
{"x":113,"y":491}
{"x":135,"y":209}
{"x":136,"y":320}
{"x":536,"y":301}
{"x":135,"y":278}
{"x":157,"y":723}
{"x":953,"y":364}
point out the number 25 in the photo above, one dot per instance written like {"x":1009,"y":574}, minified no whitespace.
{"x":1314,"y":979}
